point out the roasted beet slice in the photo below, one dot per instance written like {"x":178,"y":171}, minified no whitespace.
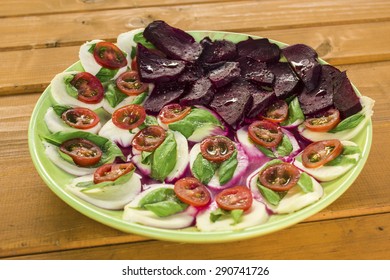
{"x":286,"y":81}
{"x":201,"y":93}
{"x":345,"y":98}
{"x":232,"y":102}
{"x":154,"y":68}
{"x":191,"y":74}
{"x":261,"y":100}
{"x":225,"y":74}
{"x":303,"y":59}
{"x":321,"y":97}
{"x":219,"y":50}
{"x":174,"y":42}
{"x":256,"y":72}
{"x":163,"y":94}
{"x":259,"y":49}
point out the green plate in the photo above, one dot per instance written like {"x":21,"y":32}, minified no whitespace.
{"x":56,"y":179}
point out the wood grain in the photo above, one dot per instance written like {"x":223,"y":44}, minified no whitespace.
{"x":75,"y":28}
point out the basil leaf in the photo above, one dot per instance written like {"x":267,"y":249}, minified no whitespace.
{"x":157,"y":195}
{"x":195,"y":119}
{"x":203,"y":169}
{"x":342,"y":159}
{"x":109,"y":149}
{"x":348,"y":123}
{"x":271,"y":196}
{"x":294,"y":113}
{"x":65,"y":157}
{"x":166,"y":208}
{"x":105,"y":74}
{"x":139,"y":38}
{"x":90,"y":185}
{"x":164,"y":158}
{"x":140,"y":98}
{"x":133,"y":52}
{"x":60,"y":109}
{"x":146,"y":158}
{"x":305,"y":183}
{"x":236,"y":215}
{"x":265,"y":151}
{"x":92,"y":48}
{"x":285,"y":147}
{"x":350,"y":150}
{"x":70,"y":89}
{"x":113,"y":95}
{"x":216,"y":214}
{"x":227,"y":168}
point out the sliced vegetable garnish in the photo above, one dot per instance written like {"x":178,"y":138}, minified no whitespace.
{"x":83,"y":152}
{"x":111,"y":172}
{"x":239,"y":197}
{"x":324,"y":123}
{"x":89,"y":89}
{"x":80,"y":118}
{"x":192,"y":192}
{"x":129,"y":83}
{"x":321,"y":152}
{"x":277,"y":112}
{"x":173,"y":113}
{"x":217,"y":148}
{"x":109,"y":56}
{"x":265,"y":133}
{"x":279,"y":177}
{"x":149,"y":138}
{"x":129,"y":117}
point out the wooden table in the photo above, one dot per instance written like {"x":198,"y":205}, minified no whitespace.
{"x":41,"y":38}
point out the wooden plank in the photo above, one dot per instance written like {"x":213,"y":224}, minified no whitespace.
{"x":34,"y":229}
{"x":33,"y":69}
{"x":364,"y":237}
{"x":38,"y":7}
{"x":43,"y":31}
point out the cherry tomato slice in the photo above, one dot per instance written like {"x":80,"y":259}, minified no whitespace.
{"x":129,"y":117}
{"x":324,"y":123}
{"x":129,"y":83}
{"x":149,"y":138}
{"x":239,"y":197}
{"x":90,"y":89}
{"x":191,"y":191}
{"x":80,"y":118}
{"x":279,"y":177}
{"x":276,"y":112}
{"x":217,"y":148}
{"x":173,"y":113}
{"x":109,"y":55}
{"x":111,"y":172}
{"x":83,"y":152}
{"x":319,"y":153}
{"x":265,"y":133}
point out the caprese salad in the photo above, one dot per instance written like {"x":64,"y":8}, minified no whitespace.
{"x":210,"y":134}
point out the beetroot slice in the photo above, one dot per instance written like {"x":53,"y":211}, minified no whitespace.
{"x":286,"y":81}
{"x":231,"y":102}
{"x":225,"y":74}
{"x":191,"y":74}
{"x":174,"y":42}
{"x":260,"y":50}
{"x":163,"y":94}
{"x":261,"y":100}
{"x":200,"y":93}
{"x":256,"y":72}
{"x":345,"y":98}
{"x":154,"y":68}
{"x":303,"y":60}
{"x":219,"y":50}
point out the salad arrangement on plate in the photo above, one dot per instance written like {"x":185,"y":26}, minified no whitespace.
{"x":207,"y":134}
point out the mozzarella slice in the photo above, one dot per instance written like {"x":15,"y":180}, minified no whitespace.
{"x":367,"y":110}
{"x":88,"y":60}
{"x":182,"y":158}
{"x":51,"y":152}
{"x":294,"y":200}
{"x":328,"y":173}
{"x":111,"y":197}
{"x":256,"y":215}
{"x":55,"y":123}
{"x":60,"y":95}
{"x":125,"y":41}
{"x":123,"y":137}
{"x":242,"y":166}
{"x":179,"y":220}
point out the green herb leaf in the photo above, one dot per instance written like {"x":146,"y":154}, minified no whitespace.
{"x":146,"y":158}
{"x":271,"y":196}
{"x":305,"y":183}
{"x":65,"y":157}
{"x":236,"y":215}
{"x":92,"y":48}
{"x":105,"y":74}
{"x":203,"y":169}
{"x":60,"y":109}
{"x":227,"y":168}
{"x":139,"y":99}
{"x":70,"y":89}
{"x":285,"y":147}
{"x":133,"y":52}
{"x":348,"y":123}
{"x":90,"y":185}
{"x":164,"y":158}
{"x":294,"y":113}
{"x":342,"y":159}
{"x":139,"y":38}
{"x":113,"y":95}
{"x":216,"y":214}
{"x":350,"y":150}
{"x":265,"y":151}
